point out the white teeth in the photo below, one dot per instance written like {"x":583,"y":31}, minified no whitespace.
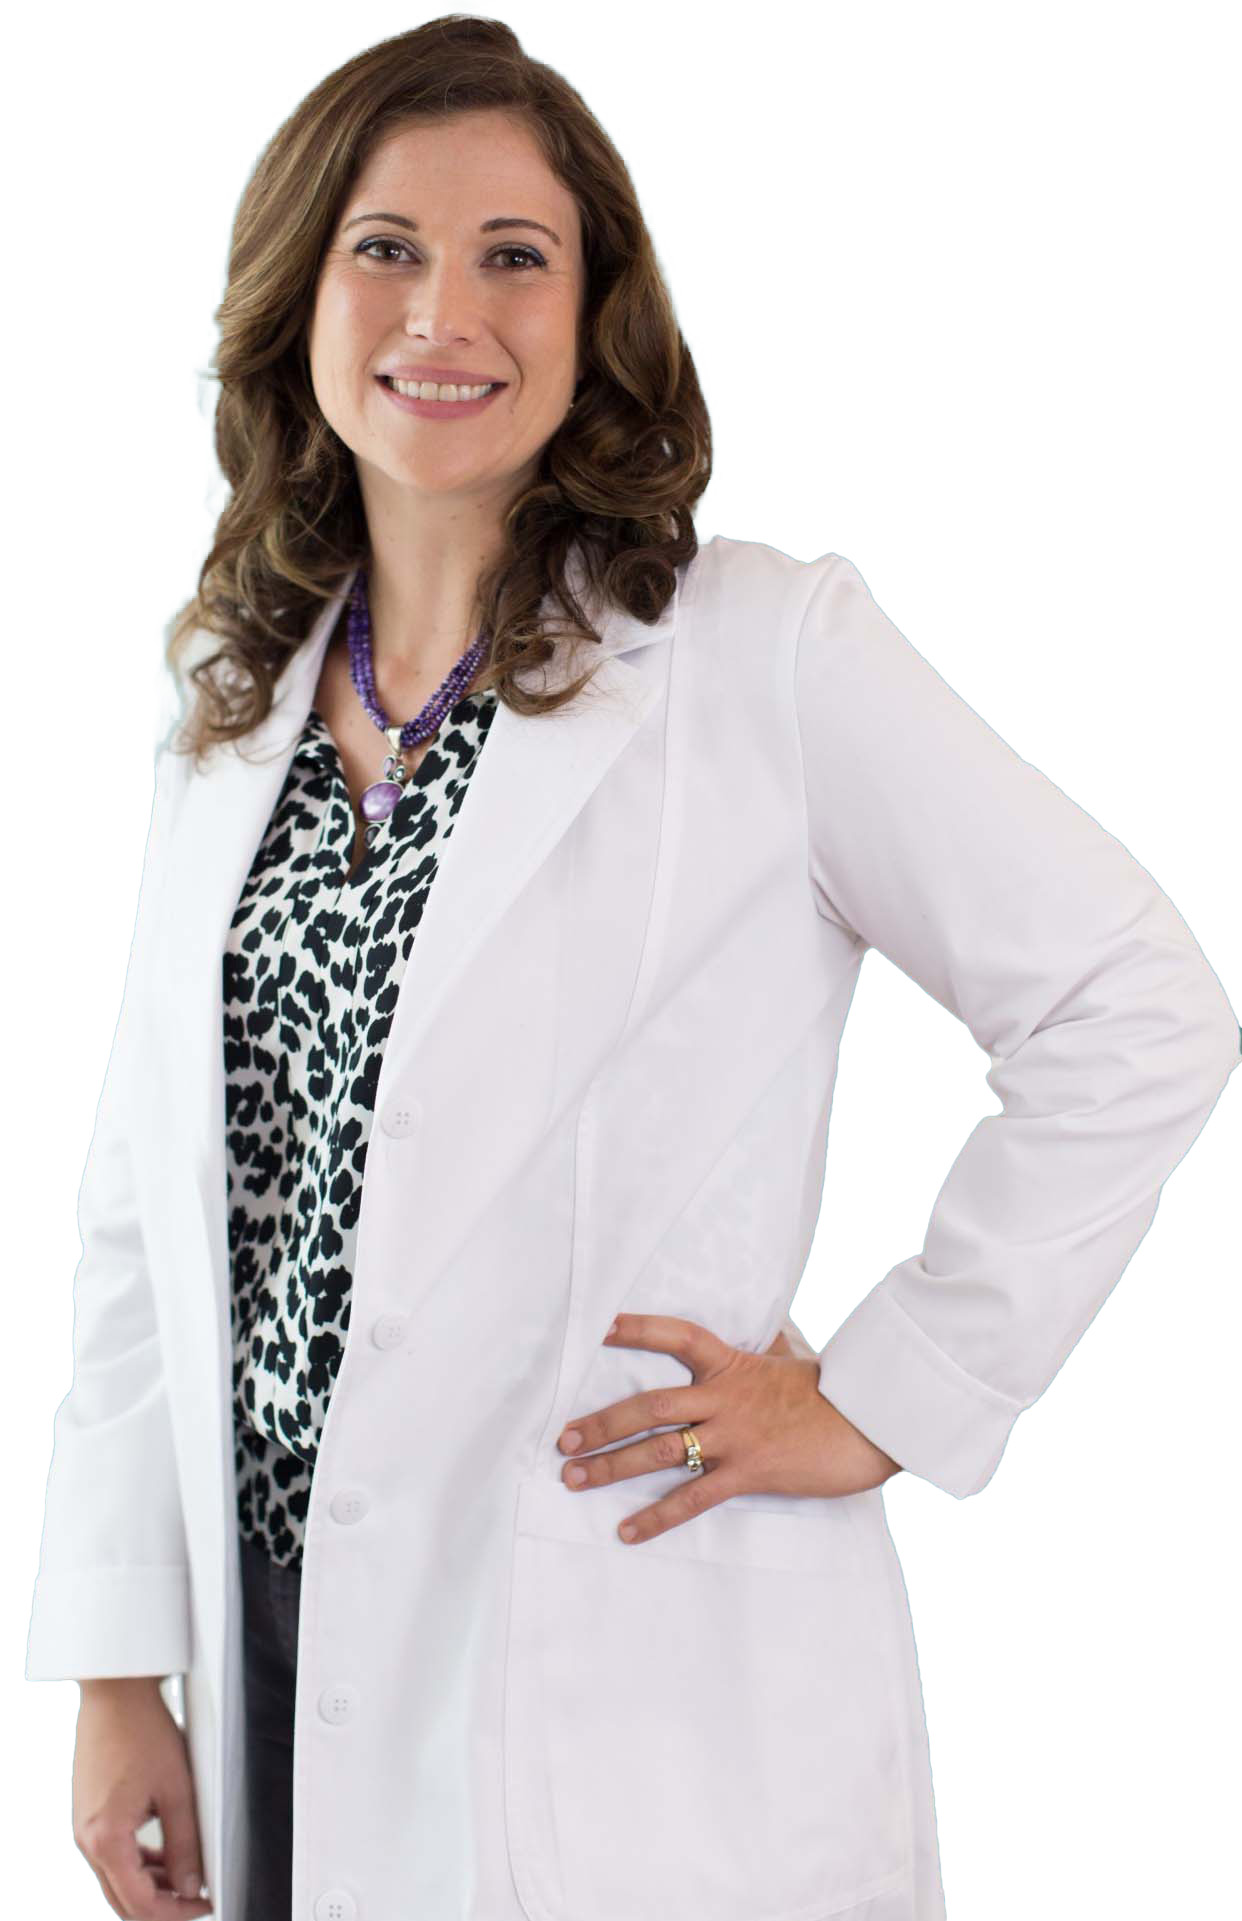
{"x":430,"y":390}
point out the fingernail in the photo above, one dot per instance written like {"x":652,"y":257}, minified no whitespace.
{"x":612,"y":1329}
{"x":571,"y":1439}
{"x":190,"y":1884}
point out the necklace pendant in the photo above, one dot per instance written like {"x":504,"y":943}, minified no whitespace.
{"x":379,"y":799}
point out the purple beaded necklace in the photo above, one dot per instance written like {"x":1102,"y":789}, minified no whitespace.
{"x":379,"y":799}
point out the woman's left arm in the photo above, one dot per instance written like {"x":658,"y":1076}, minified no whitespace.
{"x":1109,"y":1038}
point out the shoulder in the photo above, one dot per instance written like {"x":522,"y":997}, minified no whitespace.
{"x":748,"y":600}
{"x":759,"y":573}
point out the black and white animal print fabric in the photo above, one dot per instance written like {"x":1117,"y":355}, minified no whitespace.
{"x":312,"y":965}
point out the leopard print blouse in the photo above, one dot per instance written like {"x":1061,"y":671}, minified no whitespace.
{"x":312,"y":965}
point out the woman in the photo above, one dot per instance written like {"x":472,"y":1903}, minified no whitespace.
{"x":563,"y":1589}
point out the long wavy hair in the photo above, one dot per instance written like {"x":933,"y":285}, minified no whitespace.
{"x":617,"y":482}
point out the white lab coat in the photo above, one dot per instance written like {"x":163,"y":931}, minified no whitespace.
{"x":607,"y":1087}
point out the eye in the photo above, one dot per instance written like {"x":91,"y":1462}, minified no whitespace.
{"x":377,"y":242}
{"x":532,"y":255}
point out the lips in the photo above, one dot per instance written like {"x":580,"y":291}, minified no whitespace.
{"x":441,"y":410}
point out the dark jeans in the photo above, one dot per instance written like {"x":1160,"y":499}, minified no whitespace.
{"x":270,"y":1655}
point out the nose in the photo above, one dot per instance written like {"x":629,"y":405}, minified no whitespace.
{"x":444,"y":306}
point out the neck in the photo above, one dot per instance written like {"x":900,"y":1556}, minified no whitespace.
{"x":422,"y":579}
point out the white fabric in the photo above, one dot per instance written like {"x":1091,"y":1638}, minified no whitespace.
{"x":607,"y":1087}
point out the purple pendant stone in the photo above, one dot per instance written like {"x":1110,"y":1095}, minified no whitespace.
{"x":380,"y":798}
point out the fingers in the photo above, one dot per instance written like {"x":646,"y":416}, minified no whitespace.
{"x":165,"y":1879}
{"x":694,"y":1345}
{"x":182,"y":1853}
{"x":116,"y":1857}
{"x":641,"y":1457}
{"x":682,"y":1406}
{"x":134,"y":1880}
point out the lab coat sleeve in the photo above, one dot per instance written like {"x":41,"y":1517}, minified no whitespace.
{"x":111,"y":1595}
{"x":1109,"y":1035}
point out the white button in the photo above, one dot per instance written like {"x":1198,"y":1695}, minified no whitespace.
{"x":389,"y":1330}
{"x":336,"y":1904}
{"x":337,"y":1704}
{"x":349,"y":1505}
{"x":402,"y":1115}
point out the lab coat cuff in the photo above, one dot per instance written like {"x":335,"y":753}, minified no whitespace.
{"x":913,"y":1400}
{"x":92,"y":1623}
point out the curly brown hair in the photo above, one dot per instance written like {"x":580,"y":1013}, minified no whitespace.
{"x":617,"y":482}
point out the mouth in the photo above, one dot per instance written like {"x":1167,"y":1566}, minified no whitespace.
{"x":439,"y":409}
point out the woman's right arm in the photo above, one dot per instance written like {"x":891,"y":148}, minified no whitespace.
{"x":111,"y":1603}
{"x":112,"y":1592}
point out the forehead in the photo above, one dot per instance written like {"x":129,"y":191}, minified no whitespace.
{"x":461,"y":161}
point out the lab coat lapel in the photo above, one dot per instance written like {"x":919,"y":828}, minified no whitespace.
{"x":535,"y":775}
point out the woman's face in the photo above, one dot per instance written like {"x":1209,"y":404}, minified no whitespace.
{"x":500,"y":304}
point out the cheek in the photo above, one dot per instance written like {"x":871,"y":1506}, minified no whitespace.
{"x":352,"y":318}
{"x":542,"y":332}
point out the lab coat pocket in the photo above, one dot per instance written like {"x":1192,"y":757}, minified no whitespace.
{"x":703,"y":1726}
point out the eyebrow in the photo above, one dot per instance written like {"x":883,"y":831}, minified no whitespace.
{"x":486,"y":226}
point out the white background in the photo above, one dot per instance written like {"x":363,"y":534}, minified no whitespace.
{"x":960,"y":284}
